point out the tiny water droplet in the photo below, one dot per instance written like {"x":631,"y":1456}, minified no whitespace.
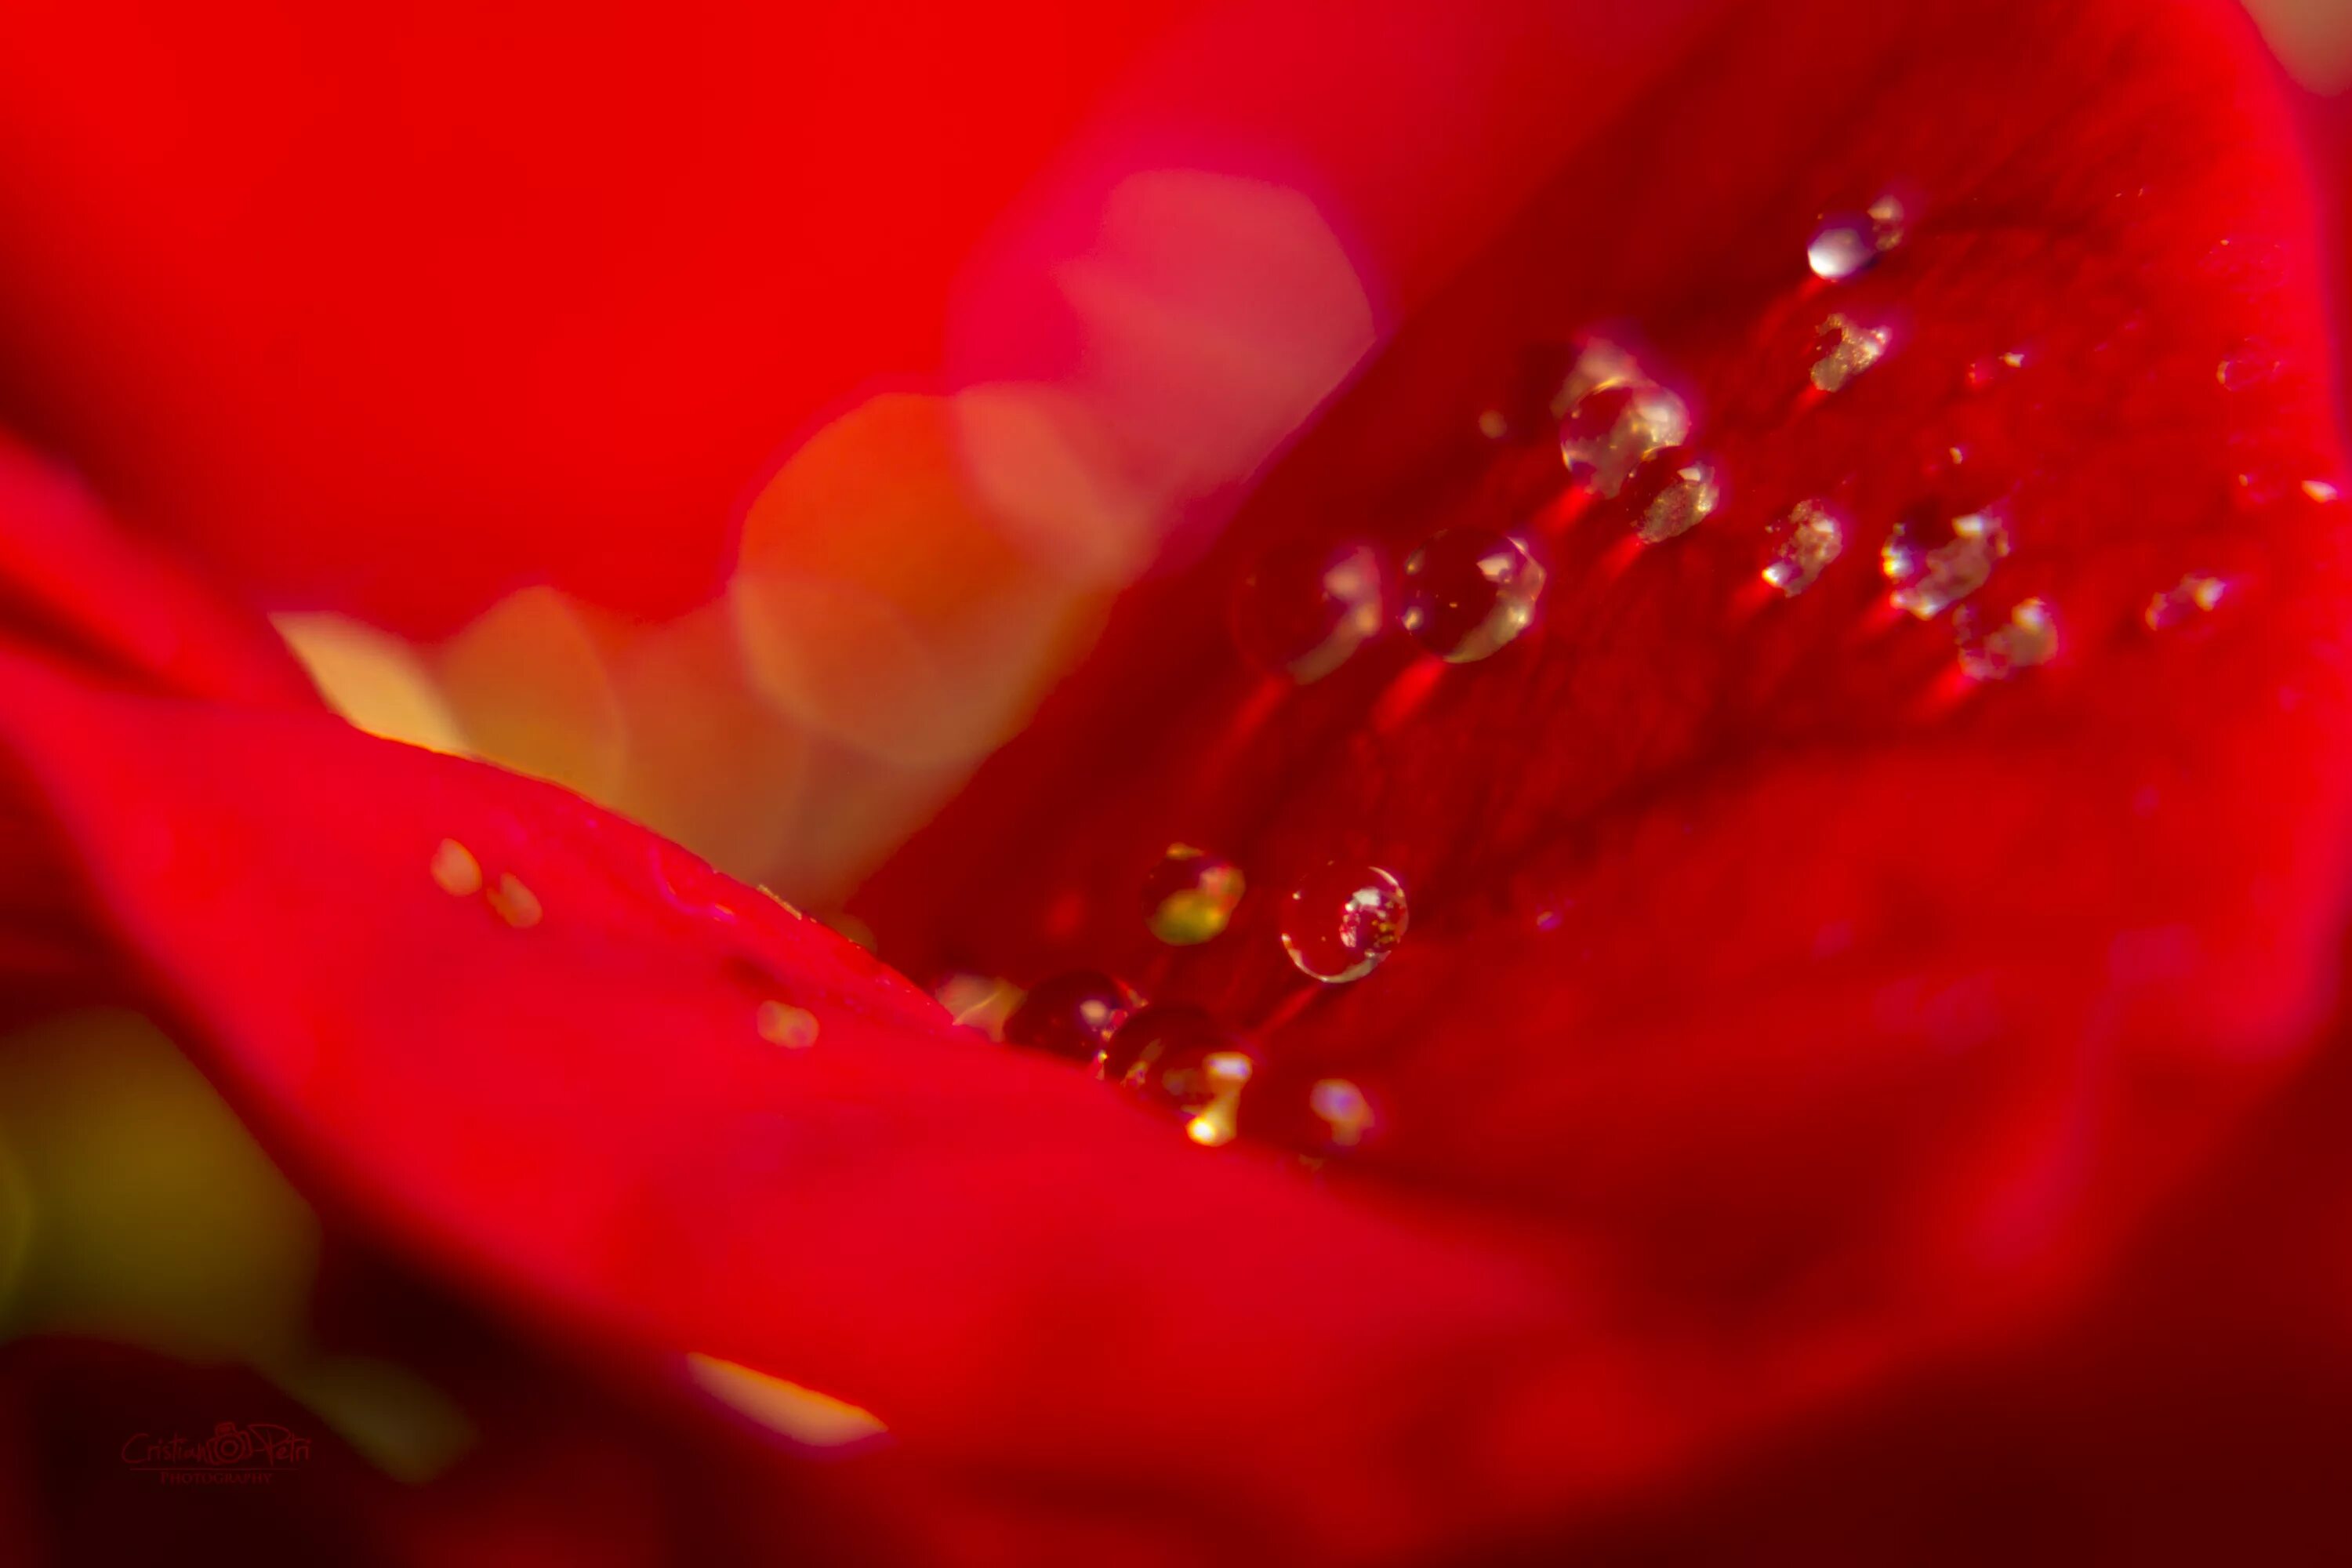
{"x":1844,"y":349}
{"x":1840,"y":247}
{"x":455,"y":869}
{"x":1468,"y":593}
{"x":1671,"y":493}
{"x":1994,"y":369}
{"x":2251,"y":366}
{"x":1610,"y":430}
{"x":516,"y":904}
{"x":782,"y":1024}
{"x":1801,"y":544}
{"x":1304,"y":609}
{"x":1340,"y":923}
{"x":1600,"y":364}
{"x":1343,"y":1109}
{"x":2193,"y":595}
{"x":1495,"y":425}
{"x":1189,"y":896}
{"x":2029,"y":637}
{"x":1889,"y":222}
{"x":2321,"y":492}
{"x":1072,"y":1015}
{"x":1929,"y":581}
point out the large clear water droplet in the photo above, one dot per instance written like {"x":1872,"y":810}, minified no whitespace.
{"x":1304,"y":609}
{"x":1190,"y":897}
{"x":1468,"y":593}
{"x":1340,"y":923}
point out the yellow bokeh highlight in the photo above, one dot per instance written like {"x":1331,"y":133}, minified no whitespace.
{"x":530,"y":687}
{"x":804,"y":1414}
{"x":373,"y":679}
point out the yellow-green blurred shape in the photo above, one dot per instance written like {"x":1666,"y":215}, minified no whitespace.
{"x":882,"y":605}
{"x":373,"y":679}
{"x":530,"y":682}
{"x":801,"y":1414}
{"x":148,"y":1215}
{"x":135,"y":1207}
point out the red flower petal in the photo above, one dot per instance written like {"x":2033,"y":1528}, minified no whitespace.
{"x":1718,"y":1164}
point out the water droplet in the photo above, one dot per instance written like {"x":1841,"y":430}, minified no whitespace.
{"x":1340,"y":922}
{"x":1177,"y":1057}
{"x":1802,"y":543}
{"x":455,"y":870}
{"x":1468,"y":593}
{"x":1840,"y":247}
{"x":2193,"y":595}
{"x":1304,"y":609}
{"x":1889,"y":222}
{"x":1610,"y":430}
{"x":1072,"y":1015}
{"x":2321,"y":492}
{"x":1600,"y":364}
{"x":516,"y":904}
{"x":1928,"y":582}
{"x":1994,"y":369}
{"x":1844,"y":349}
{"x":1670,"y":494}
{"x":1343,"y":1109}
{"x":1189,"y":896}
{"x":2251,"y":366}
{"x":2029,"y":637}
{"x":1494,"y":424}
{"x":782,"y":1024}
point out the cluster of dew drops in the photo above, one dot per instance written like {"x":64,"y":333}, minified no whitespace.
{"x":1627,"y":441}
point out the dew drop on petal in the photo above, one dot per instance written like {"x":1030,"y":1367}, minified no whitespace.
{"x":516,"y":904}
{"x":1469,"y":593}
{"x":1340,"y":922}
{"x":455,"y":869}
{"x":1190,"y":897}
{"x":1610,"y":430}
{"x":1599,"y":365}
{"x":1929,"y":581}
{"x":1178,"y":1058}
{"x":1341,"y":1108}
{"x":782,"y":1024}
{"x":1072,"y":1015}
{"x":1304,"y":609}
{"x":2321,"y":492}
{"x":2251,"y":365}
{"x":2193,"y":595}
{"x":1671,"y":493}
{"x":2029,"y":637}
{"x":1802,"y":545}
{"x":1841,"y":247}
{"x":1844,"y":349}
{"x":1889,"y":223}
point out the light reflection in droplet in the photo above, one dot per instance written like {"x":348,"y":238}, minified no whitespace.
{"x":2193,"y":595}
{"x":2028,"y":638}
{"x":1606,"y":436}
{"x":1928,"y":582}
{"x":514,"y":903}
{"x":1468,"y":593}
{"x":1672,"y":493}
{"x":1190,"y":897}
{"x":1845,"y":350}
{"x":1803,"y":544}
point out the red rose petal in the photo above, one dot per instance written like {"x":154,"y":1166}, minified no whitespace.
{"x":1841,"y":995}
{"x":1871,"y":1003}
